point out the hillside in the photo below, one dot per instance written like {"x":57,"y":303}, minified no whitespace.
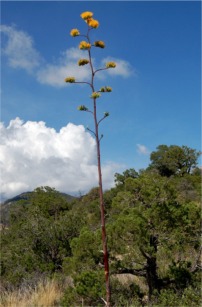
{"x":28,"y":195}
{"x":154,"y":240}
{"x":24,"y":198}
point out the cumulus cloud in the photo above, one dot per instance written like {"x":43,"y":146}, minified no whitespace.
{"x":123,"y":68}
{"x":33,"y":155}
{"x":142,"y":149}
{"x":20,"y":52}
{"x":54,"y":74}
{"x":66,"y":65}
{"x":19,"y":49}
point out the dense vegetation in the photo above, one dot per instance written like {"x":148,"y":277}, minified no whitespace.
{"x":153,"y":227}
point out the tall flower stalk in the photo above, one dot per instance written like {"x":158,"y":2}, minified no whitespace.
{"x":87,"y":45}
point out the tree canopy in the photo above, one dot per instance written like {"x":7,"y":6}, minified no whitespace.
{"x":174,"y":160}
{"x":153,"y":226}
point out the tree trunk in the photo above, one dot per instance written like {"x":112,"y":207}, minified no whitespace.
{"x":153,"y":281}
{"x":152,"y":277}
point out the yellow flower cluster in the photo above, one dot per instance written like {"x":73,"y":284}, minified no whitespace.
{"x":74,"y":32}
{"x":82,"y":62}
{"x":110,"y":65}
{"x":70,"y":79}
{"x":95,"y":95}
{"x":87,"y":16}
{"x":93,"y":23}
{"x":84,"y":45}
{"x":100,"y":44}
{"x":106,"y":89}
{"x":82,"y":108}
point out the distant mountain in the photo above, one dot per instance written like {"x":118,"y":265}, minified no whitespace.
{"x":67,"y":196}
{"x":27,"y":196}
{"x":22,"y":196}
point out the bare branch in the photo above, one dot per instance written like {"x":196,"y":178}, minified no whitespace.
{"x":82,"y":82}
{"x":101,"y":137}
{"x":146,"y":255}
{"x":106,"y":114}
{"x":104,"y":301}
{"x":100,"y":69}
{"x":91,"y":131}
{"x":89,"y":111}
{"x":101,"y":120}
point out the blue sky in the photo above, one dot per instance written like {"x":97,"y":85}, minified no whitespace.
{"x":156,"y":88}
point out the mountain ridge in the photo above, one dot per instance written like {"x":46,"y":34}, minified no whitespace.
{"x":6,"y":205}
{"x":27,"y":195}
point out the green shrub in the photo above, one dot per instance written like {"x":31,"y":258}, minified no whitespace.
{"x":125,"y":295}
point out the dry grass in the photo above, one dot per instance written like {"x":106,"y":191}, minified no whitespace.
{"x":46,"y":294}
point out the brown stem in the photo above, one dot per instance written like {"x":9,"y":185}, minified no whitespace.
{"x":102,"y":211}
{"x":102,"y":207}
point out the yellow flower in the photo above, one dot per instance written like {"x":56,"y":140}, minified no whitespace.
{"x":95,"y":95}
{"x":110,"y":65}
{"x":92,"y":23}
{"x":106,"y":89}
{"x":84,"y":45}
{"x":74,"y":32}
{"x":82,"y":62}
{"x":82,"y":108}
{"x":86,"y":15}
{"x":70,"y":79}
{"x":100,"y":44}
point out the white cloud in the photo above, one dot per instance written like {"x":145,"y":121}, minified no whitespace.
{"x":19,"y":49}
{"x":123,"y":68}
{"x":20,"y":52}
{"x":32,"y":155}
{"x":66,"y":66}
{"x":54,"y":74}
{"x":142,"y":149}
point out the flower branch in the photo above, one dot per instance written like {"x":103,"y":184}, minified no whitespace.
{"x":84,"y":108}
{"x":106,"y":114}
{"x":72,"y":80}
{"x":101,"y":137}
{"x":100,"y":70}
{"x":86,"y":45}
{"x":91,"y":131}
